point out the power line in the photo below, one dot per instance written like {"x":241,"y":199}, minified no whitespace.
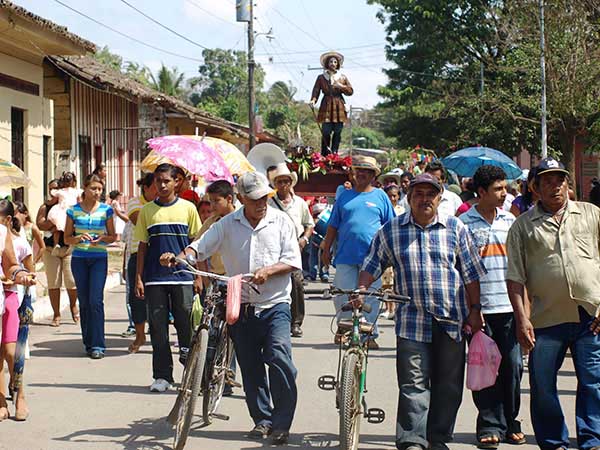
{"x":163,"y":26}
{"x":126,"y":35}
{"x":193,"y":3}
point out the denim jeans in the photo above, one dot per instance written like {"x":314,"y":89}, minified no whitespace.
{"x":499,"y":404}
{"x":135,"y":305}
{"x":162,"y":299}
{"x":346,"y":277}
{"x":545,"y":360}
{"x":90,"y":277}
{"x":317,"y":269}
{"x":263,"y":338}
{"x":430,"y":381}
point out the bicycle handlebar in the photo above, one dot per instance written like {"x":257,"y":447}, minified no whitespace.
{"x":189,"y":262}
{"x":382,"y":296}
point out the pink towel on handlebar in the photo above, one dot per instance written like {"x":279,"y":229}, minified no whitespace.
{"x":234,"y":299}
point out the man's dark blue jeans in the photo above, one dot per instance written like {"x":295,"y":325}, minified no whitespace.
{"x":545,"y":360}
{"x":263,"y":338}
{"x":499,"y":404}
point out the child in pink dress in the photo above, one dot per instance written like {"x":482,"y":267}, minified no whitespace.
{"x":68,"y":195}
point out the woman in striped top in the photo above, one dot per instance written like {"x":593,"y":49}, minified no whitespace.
{"x":89,"y":228}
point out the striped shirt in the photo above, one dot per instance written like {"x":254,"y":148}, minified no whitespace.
{"x":135,"y":205}
{"x":94,"y":224}
{"x":490,"y":239}
{"x":166,"y":228}
{"x":431,"y":265}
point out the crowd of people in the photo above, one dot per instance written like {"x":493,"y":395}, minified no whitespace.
{"x":521,"y":266}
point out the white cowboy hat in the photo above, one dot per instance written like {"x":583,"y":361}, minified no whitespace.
{"x":391,"y":174}
{"x":282,"y":170}
{"x":325,"y":57}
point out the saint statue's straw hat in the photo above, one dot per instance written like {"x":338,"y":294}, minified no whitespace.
{"x":325,"y":57}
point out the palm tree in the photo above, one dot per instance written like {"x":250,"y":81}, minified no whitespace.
{"x":168,"y":81}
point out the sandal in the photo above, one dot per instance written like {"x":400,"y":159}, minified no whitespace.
{"x":512,"y":435}
{"x":75,"y":315}
{"x":4,"y":413}
{"x":55,"y":322}
{"x":493,"y":441}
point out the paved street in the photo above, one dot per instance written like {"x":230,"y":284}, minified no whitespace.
{"x":82,"y":404}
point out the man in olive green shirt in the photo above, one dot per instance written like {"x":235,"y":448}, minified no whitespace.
{"x":553,"y":250}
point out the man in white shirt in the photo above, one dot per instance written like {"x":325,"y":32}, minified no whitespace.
{"x":450,"y":201}
{"x":297,"y":210}
{"x":261,"y":240}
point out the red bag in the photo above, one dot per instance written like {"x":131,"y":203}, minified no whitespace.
{"x":234,"y":299}
{"x":483,"y":362}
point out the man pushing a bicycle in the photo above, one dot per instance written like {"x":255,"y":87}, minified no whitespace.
{"x":434,"y":263}
{"x":261,"y":240}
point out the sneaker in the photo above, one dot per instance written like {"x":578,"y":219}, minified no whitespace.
{"x":296,"y":331}
{"x":96,"y":354}
{"x":128,"y":333}
{"x":325,"y":279}
{"x":160,"y":385}
{"x":260,"y":431}
{"x":280,"y":437}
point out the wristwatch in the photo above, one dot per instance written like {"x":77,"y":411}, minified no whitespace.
{"x":476,"y":307}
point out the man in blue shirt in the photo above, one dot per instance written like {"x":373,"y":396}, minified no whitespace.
{"x":357,"y":215}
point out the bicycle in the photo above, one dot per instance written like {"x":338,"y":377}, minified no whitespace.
{"x":350,"y":383}
{"x":207,"y":368}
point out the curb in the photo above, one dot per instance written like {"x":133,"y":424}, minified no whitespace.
{"x":42,"y":309}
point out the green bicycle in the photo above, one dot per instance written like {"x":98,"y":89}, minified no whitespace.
{"x":350,"y":383}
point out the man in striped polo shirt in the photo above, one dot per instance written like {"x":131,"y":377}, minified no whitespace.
{"x":488,"y":225}
{"x":168,"y":223}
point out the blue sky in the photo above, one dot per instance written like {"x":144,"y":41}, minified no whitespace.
{"x":303,"y":29}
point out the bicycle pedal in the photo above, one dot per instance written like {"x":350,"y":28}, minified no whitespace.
{"x":327,"y":382}
{"x":375,"y":415}
{"x":219,"y":416}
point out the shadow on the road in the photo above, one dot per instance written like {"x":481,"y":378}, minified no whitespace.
{"x":297,"y":440}
{"x":560,"y":391}
{"x":73,"y":348}
{"x":104,"y":388}
{"x":143,"y":433}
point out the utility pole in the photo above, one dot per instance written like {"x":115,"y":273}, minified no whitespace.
{"x":543,"y":80}
{"x":251,"y":93}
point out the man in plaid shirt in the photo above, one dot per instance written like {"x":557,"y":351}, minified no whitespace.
{"x":434,"y":263}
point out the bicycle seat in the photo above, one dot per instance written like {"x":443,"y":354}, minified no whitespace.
{"x":345,"y":325}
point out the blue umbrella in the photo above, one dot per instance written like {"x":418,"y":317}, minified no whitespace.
{"x":465,"y":162}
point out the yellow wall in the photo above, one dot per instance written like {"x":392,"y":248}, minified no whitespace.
{"x":38,"y":123}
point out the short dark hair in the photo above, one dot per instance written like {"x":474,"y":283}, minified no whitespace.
{"x":67,"y":178}
{"x":114,"y":194}
{"x":408,"y":175}
{"x":8,"y":209}
{"x":391,"y":187}
{"x":486,"y":175}
{"x":434,"y":166}
{"x":146,"y":180}
{"x":99,"y":168}
{"x":166,"y":167}
{"x":222,"y":188}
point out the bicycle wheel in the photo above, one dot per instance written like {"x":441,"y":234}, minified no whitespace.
{"x":190,"y":388}
{"x":350,"y":402}
{"x":216,"y":374}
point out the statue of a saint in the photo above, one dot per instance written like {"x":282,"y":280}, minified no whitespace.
{"x":332,"y":112}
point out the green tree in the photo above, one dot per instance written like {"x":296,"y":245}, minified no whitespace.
{"x":222,"y":84}
{"x":168,"y":81}
{"x":438,"y":49}
{"x":106,"y":57}
{"x":137,"y":72}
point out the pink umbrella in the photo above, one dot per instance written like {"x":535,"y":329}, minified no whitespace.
{"x":193,"y":155}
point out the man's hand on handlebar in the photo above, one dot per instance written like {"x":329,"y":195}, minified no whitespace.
{"x":167,"y":260}
{"x":357,"y":299}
